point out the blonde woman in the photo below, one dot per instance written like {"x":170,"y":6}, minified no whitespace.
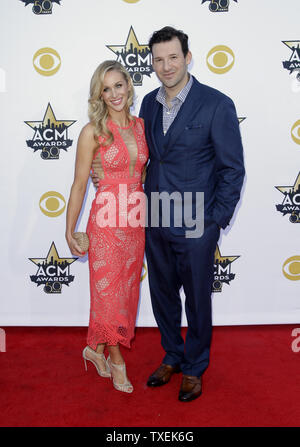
{"x":114,"y":141}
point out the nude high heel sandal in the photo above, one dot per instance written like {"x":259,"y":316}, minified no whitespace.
{"x":126,"y":386}
{"x":102,"y":370}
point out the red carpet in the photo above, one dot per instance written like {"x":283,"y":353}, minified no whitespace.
{"x":252,"y":381}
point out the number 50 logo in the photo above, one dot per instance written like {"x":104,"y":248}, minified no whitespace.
{"x":218,"y":5}
{"x":41,"y":6}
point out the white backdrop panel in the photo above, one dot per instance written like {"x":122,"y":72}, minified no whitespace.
{"x":263,"y":91}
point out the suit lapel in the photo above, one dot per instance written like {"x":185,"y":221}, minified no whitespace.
{"x":153,"y":121}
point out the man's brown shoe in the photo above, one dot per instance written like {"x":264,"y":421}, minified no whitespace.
{"x":162,"y":375}
{"x":191,"y":388}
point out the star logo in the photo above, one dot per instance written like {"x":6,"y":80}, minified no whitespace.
{"x":135,"y":57}
{"x":222,"y":273}
{"x":293,"y":64}
{"x":52,"y":271}
{"x":291,"y":201}
{"x":50,"y":135}
{"x":290,"y":189}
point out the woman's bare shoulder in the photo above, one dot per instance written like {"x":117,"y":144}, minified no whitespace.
{"x":87,"y":134}
{"x":87,"y":131}
{"x":86,"y":139}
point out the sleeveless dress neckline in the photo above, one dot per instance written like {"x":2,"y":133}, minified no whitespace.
{"x":131,"y":123}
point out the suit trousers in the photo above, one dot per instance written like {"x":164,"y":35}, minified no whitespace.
{"x":175,"y":261}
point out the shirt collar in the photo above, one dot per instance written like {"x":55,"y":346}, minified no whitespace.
{"x":161,"y":94}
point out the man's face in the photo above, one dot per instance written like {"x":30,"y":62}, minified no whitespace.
{"x":169,"y":63}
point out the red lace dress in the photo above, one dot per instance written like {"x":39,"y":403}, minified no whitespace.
{"x":117,"y":236}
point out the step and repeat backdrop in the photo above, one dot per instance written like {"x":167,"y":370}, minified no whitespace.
{"x":248,"y":49}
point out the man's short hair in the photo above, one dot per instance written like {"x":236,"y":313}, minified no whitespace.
{"x":168,"y":33}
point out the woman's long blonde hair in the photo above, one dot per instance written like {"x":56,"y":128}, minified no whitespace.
{"x":97,"y":109}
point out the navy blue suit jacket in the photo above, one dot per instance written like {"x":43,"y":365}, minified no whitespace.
{"x":202,"y":153}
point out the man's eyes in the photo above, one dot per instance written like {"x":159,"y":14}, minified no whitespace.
{"x":171,"y":57}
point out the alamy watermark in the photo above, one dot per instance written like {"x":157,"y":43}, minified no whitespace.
{"x":187,"y":210}
{"x":296,"y":342}
{"x":2,"y":340}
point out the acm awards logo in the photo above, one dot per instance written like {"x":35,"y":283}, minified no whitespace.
{"x":291,"y":201}
{"x":135,"y":57}
{"x":293,"y":64}
{"x":218,"y":5}
{"x":50,"y":135}
{"x":41,"y":6}
{"x":52,"y":271}
{"x":222,"y":270}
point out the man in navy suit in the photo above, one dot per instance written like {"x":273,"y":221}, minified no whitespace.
{"x":195,"y":146}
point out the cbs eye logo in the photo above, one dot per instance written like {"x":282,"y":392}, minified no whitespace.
{"x":295,"y":132}
{"x":52,"y":204}
{"x":291,"y":268}
{"x":144,"y":272}
{"x":46,"y":61}
{"x":220,"y":59}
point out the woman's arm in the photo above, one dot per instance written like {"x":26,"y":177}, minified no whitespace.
{"x":85,"y":150}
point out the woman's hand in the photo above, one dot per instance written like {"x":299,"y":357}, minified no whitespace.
{"x":74,"y":247}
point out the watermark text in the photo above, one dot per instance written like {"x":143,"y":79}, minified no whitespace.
{"x":296,"y":342}
{"x":166,"y":209}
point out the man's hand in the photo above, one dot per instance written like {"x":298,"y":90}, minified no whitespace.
{"x":144,"y":174}
{"x":95,"y":179}
{"x":97,"y":171}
